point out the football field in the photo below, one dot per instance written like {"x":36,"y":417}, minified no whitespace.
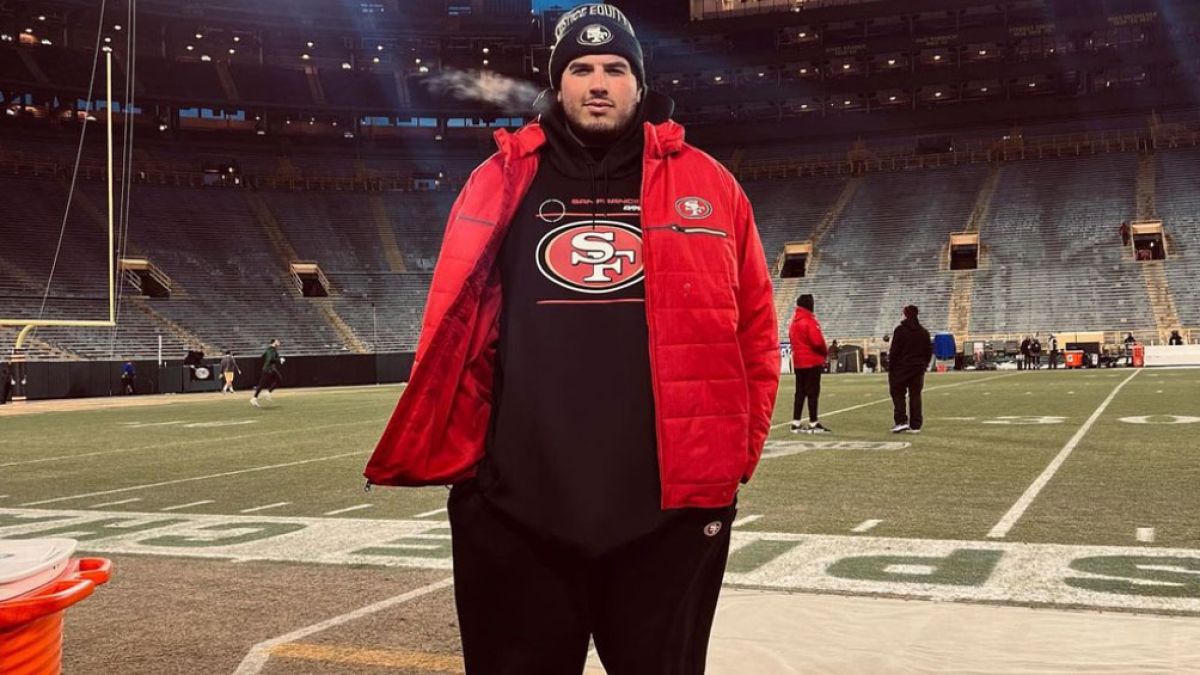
{"x":243,"y":538}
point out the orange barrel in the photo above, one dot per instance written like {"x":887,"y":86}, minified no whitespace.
{"x":38,"y":582}
{"x":1074,"y":358}
{"x":1139,"y":356}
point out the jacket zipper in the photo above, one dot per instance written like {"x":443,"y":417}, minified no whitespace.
{"x":691,"y":230}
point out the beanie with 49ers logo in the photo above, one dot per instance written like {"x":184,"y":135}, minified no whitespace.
{"x":594,"y":29}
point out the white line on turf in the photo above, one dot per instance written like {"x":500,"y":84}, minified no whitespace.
{"x":888,"y":400}
{"x":261,"y":652}
{"x":264,"y":507}
{"x":1014,"y":514}
{"x":866,"y":526}
{"x":186,"y":506}
{"x":348,"y":509}
{"x":177,"y":481}
{"x":123,"y":501}
{"x":745,"y":521}
{"x":430,"y":513}
{"x":207,"y":440}
{"x":1145,"y":534}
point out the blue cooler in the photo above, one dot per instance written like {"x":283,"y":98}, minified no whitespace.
{"x":943,"y":346}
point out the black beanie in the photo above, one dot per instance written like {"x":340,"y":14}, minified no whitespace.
{"x":805,"y":301}
{"x":594,"y":29}
{"x":911,"y":312}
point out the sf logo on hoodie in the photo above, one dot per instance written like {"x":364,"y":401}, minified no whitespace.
{"x":592,"y":257}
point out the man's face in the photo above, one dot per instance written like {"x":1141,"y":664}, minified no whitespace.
{"x":599,"y":95}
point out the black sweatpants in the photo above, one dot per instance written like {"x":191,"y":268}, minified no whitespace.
{"x":527,"y":605}
{"x":910,"y":386}
{"x":268,"y":381}
{"x":808,"y":386}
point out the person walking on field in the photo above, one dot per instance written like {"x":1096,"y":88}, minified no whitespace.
{"x":808,"y":360}
{"x":595,"y":376}
{"x":911,"y":350}
{"x":270,"y":373}
{"x":228,"y":366}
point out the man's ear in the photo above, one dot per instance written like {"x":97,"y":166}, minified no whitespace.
{"x":558,"y":96}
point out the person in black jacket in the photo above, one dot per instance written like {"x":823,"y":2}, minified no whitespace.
{"x":909,"y":356}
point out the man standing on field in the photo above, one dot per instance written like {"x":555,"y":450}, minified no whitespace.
{"x":270,"y":373}
{"x":595,"y":376}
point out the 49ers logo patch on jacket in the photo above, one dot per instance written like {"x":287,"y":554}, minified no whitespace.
{"x":592,"y":257}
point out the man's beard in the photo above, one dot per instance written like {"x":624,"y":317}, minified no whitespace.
{"x":599,"y":131}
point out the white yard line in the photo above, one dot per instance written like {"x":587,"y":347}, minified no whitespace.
{"x":348,"y":509}
{"x":866,"y":526}
{"x":177,"y":481}
{"x":745,"y":521}
{"x":1014,"y":514}
{"x":264,"y":507}
{"x":889,"y":400}
{"x":123,"y":501}
{"x":430,"y":513}
{"x":187,"y":506}
{"x":1145,"y":534}
{"x":197,"y":441}
{"x":260,"y":653}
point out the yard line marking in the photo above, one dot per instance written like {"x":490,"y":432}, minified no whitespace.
{"x":3,"y":496}
{"x":197,"y":441}
{"x":1145,"y":534}
{"x":123,"y":501}
{"x":866,"y":526}
{"x":1014,"y":514}
{"x":264,"y":507}
{"x":185,"y":506}
{"x":177,"y":481}
{"x":889,"y":400}
{"x":348,"y":509}
{"x":430,"y":513}
{"x":259,"y":654}
{"x":390,"y":659}
{"x":745,"y":521}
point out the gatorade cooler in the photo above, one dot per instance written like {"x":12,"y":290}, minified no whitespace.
{"x":944,"y":346}
{"x":38,"y":582}
{"x":1073,"y":358}
{"x":1139,"y":356}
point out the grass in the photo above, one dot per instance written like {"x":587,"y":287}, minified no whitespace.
{"x":955,"y":481}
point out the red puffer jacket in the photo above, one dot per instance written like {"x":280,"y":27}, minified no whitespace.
{"x":714,"y":351}
{"x":808,"y":342}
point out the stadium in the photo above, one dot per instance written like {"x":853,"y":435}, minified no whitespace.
{"x":188,"y":182}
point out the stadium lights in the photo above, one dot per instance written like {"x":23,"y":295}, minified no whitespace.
{"x":199,"y":36}
{"x":205,"y":58}
{"x":425,"y":69}
{"x":232,"y":50}
{"x":847,"y":102}
{"x":41,"y":17}
{"x":378,"y":48}
{"x":309,"y":44}
{"x":375,"y":60}
{"x":237,"y":38}
{"x":938,"y":95}
{"x":106,"y":48}
{"x":804,"y":106}
{"x":891,"y":62}
{"x":674,"y":81}
{"x":984,"y":90}
{"x":305,"y":57}
{"x":937,"y":57}
{"x":117,"y":26}
{"x":346,"y":65}
{"x":1032,"y":85}
{"x":983,"y":52}
{"x":190,"y":47}
{"x":717,"y":78}
{"x":486,"y":50}
{"x":11,"y":112}
{"x":761,"y":74}
{"x":803,"y":35}
{"x":804,"y":71}
{"x":347,"y":134}
{"x":438,"y":137}
{"x":417,"y":61}
{"x":162,"y":127}
{"x":107,"y":40}
{"x":891,"y":98}
{"x":5,"y":37}
{"x":47,"y":42}
{"x":485,"y":62}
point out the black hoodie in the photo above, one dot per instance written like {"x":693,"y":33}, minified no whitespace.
{"x":571,"y":451}
{"x":911,"y":350}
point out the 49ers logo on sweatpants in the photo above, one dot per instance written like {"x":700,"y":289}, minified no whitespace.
{"x":592,"y":257}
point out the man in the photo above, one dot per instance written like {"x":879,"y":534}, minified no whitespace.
{"x":270,"y":373}
{"x":1054,"y":353}
{"x":1176,"y":340}
{"x":1035,"y":353}
{"x":808,"y":357}
{"x":1026,"y":355}
{"x":1124,"y":230}
{"x":1129,"y":342}
{"x":128,"y":374}
{"x":228,"y":366}
{"x":912,"y":348}
{"x":835,"y":354}
{"x":596,"y":373}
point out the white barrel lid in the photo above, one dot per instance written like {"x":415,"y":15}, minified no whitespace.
{"x":26,"y":565}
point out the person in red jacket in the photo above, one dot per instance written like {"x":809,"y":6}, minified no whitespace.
{"x":595,"y":376}
{"x":808,"y":360}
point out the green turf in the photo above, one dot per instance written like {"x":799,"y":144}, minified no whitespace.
{"x":954,"y":482}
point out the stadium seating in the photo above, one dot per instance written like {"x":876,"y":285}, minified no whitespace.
{"x":1178,"y":203}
